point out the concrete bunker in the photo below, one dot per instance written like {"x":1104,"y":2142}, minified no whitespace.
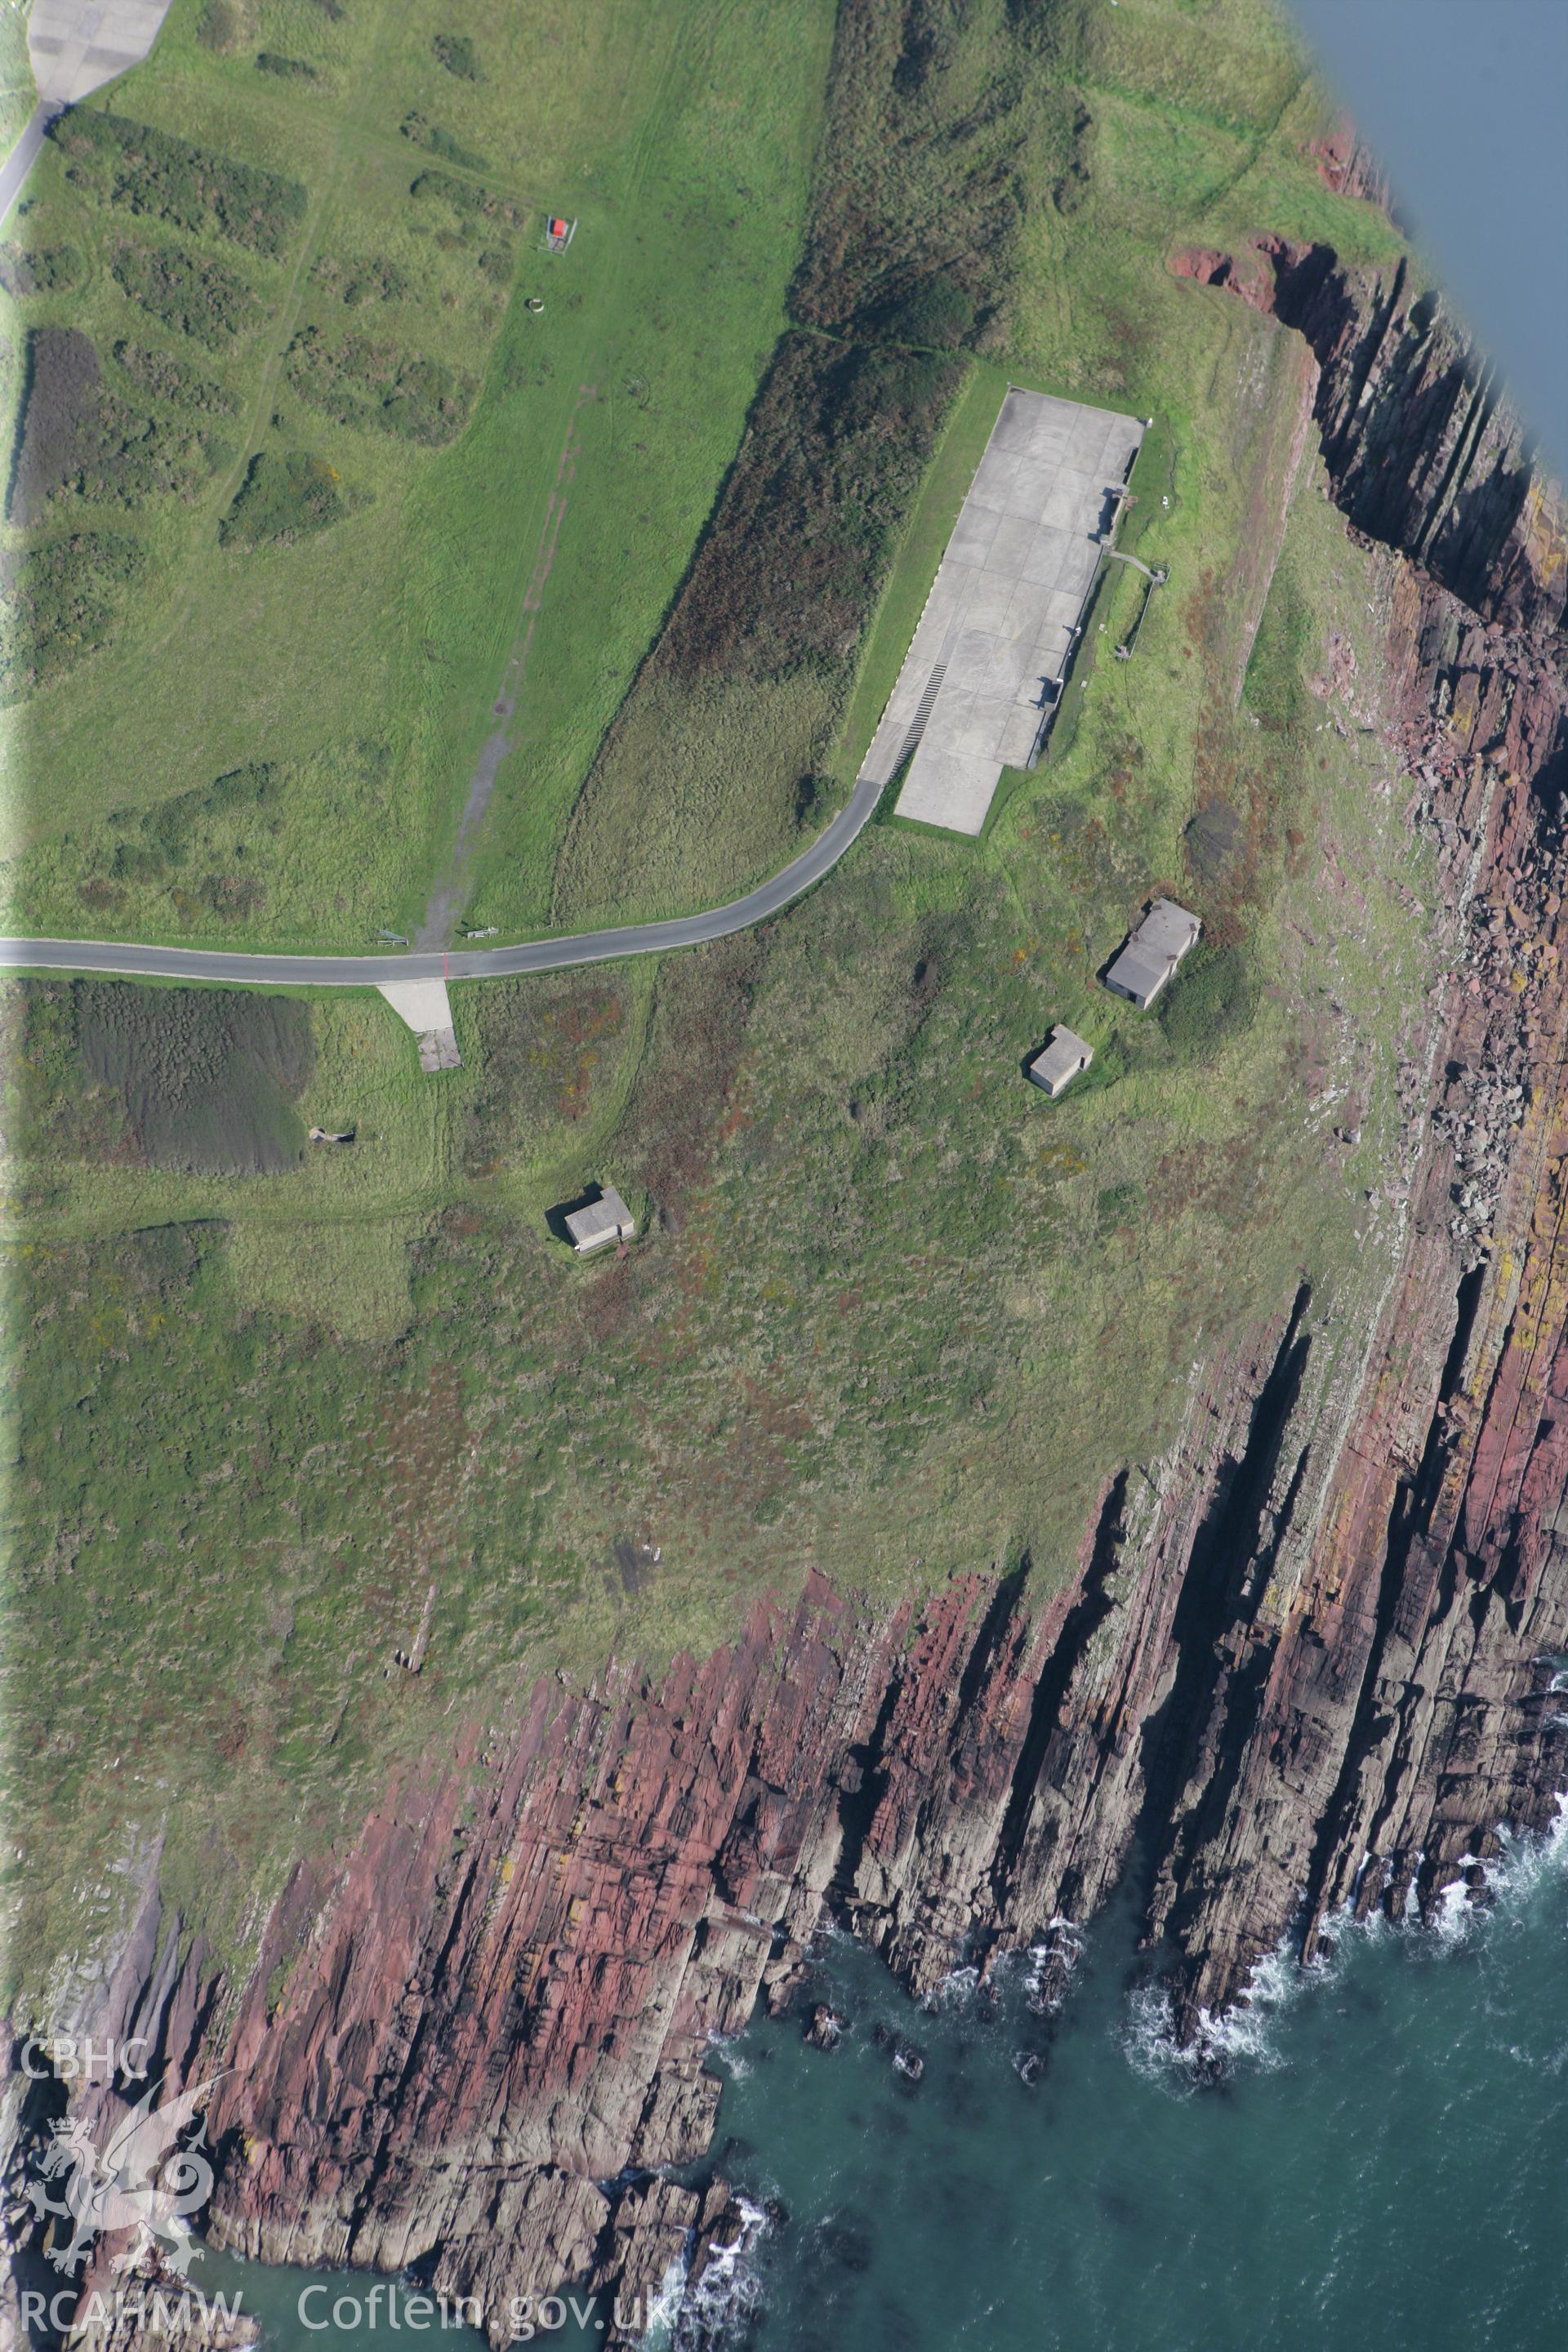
{"x":1065,"y":1056}
{"x":603,"y":1219}
{"x":1152,"y":952}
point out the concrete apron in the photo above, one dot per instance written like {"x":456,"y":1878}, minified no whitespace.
{"x":427,"y":1009}
{"x":76,"y":46}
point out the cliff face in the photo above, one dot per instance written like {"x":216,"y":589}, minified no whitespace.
{"x":1425,"y":451}
{"x":1306,"y":1658}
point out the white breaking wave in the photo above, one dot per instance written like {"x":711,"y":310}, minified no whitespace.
{"x":726,"y":2049}
{"x":704,"y":2313}
{"x":954,"y":1990}
{"x":1248,"y":2035}
{"x":664,"y":2310}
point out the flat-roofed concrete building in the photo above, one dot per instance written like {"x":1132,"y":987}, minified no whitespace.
{"x":607,"y":1219}
{"x":1066,"y":1054}
{"x":987,"y":660}
{"x":1154,"y":949}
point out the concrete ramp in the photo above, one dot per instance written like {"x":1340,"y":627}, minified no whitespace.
{"x":427,"y":1009}
{"x":76,"y":46}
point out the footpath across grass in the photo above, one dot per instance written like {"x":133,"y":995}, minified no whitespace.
{"x":402,"y":471}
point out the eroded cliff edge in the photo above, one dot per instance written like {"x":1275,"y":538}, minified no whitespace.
{"x":1307,"y":1657}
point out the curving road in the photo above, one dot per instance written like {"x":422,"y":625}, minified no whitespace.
{"x":466,"y":963}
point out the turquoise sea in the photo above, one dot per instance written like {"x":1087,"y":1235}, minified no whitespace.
{"x":1373,"y":2154}
{"x":1379,"y":2157}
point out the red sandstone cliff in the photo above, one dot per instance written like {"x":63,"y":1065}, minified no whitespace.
{"x":1306,"y":1657}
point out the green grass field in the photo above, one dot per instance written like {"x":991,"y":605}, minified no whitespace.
{"x":890,"y":1315}
{"x":361,"y":659}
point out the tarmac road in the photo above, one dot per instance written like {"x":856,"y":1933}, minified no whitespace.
{"x":465,"y":963}
{"x":24,"y":154}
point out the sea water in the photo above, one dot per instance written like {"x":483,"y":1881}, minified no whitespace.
{"x":1374,"y":2153}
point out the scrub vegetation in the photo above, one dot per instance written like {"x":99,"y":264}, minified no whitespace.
{"x":891,"y":1313}
{"x":736,"y":716}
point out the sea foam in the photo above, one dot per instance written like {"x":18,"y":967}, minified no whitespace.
{"x":703,"y":2314}
{"x":1248,"y":2036}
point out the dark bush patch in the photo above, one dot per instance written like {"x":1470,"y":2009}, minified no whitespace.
{"x":208,"y":1081}
{"x":60,"y":603}
{"x":171,"y":381}
{"x":38,"y":269}
{"x":440,"y":143}
{"x":63,"y":382}
{"x":936,"y":312}
{"x":456,"y":52}
{"x":76,"y":437}
{"x":1212,"y":998}
{"x":1211,"y":840}
{"x":354,"y":282}
{"x":282,"y":499}
{"x":836,"y":450}
{"x":467,"y":201}
{"x":153,"y":174}
{"x":358,"y":381}
{"x":231,"y":898}
{"x":163,"y":837}
{"x":197,"y":297}
{"x":929,"y":110}
{"x":285,"y":68}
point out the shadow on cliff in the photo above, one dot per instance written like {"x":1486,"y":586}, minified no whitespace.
{"x":1194,"y":1742}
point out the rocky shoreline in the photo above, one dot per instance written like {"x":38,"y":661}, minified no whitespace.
{"x":1306,"y":1658}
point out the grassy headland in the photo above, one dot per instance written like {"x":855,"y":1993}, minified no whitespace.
{"x":892,"y":1314}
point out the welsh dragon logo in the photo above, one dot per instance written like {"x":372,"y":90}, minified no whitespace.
{"x":143,"y":2180}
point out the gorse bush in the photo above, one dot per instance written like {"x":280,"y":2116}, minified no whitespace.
{"x":166,"y":833}
{"x":467,"y":201}
{"x":456,"y":52}
{"x":38,"y":269}
{"x":281,"y":498}
{"x":375,"y":279}
{"x":162,"y":178}
{"x":60,"y":600}
{"x":379,"y":385}
{"x":1212,"y":998}
{"x":198,"y":297}
{"x":169,"y":379}
{"x":77,"y":437}
{"x":440,"y":143}
{"x":935,"y":312}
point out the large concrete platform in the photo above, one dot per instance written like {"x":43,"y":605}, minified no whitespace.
{"x":992,"y":644}
{"x":76,"y":46}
